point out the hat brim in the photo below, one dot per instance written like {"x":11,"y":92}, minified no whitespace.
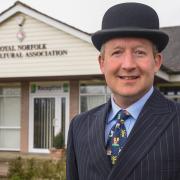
{"x":159,"y":38}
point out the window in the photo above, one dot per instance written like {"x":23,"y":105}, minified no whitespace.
{"x":9,"y":118}
{"x":92,"y":95}
{"x":171,"y":91}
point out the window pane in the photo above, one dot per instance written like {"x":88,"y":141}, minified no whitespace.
{"x":11,"y":91}
{"x":9,"y":138}
{"x":84,"y":104}
{"x":92,"y":89}
{"x":89,"y":102}
{"x":10,"y":111}
{"x":93,"y":94}
{"x":9,"y":118}
{"x":44,"y":113}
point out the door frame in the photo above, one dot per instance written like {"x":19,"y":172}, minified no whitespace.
{"x":57,"y":97}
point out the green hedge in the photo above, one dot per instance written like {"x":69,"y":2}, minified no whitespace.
{"x":33,"y":169}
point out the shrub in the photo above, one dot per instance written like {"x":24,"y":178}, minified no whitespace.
{"x":16,"y":170}
{"x":58,"y":141}
{"x":31,"y":169}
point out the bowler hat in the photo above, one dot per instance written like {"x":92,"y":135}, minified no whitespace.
{"x":130,"y":20}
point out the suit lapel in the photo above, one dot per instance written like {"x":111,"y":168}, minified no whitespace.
{"x":153,"y":119}
{"x":96,"y":140}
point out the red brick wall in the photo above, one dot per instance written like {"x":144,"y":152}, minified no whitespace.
{"x":74,"y":98}
{"x":24,"y":116}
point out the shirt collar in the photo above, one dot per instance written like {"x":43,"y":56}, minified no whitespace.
{"x":133,"y":109}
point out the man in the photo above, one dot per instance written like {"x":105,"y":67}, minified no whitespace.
{"x":136,"y":134}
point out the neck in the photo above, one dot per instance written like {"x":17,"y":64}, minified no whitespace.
{"x":124,"y":102}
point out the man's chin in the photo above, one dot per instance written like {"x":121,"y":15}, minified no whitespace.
{"x":128,"y":94}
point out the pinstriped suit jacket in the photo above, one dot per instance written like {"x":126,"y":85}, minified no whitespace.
{"x":152,"y":151}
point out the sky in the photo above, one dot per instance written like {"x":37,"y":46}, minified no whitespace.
{"x":86,"y":15}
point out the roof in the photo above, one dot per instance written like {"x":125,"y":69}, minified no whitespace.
{"x":171,"y":53}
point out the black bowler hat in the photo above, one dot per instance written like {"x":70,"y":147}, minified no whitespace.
{"x":130,"y":20}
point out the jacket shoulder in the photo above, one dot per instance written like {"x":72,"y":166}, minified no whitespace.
{"x":173,"y":105}
{"x":81,"y":121}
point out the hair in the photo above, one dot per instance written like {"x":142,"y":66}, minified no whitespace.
{"x":154,"y":49}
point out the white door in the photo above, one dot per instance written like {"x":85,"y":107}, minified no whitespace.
{"x":47,"y":119}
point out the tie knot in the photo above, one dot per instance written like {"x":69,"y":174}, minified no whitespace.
{"x":123,"y":115}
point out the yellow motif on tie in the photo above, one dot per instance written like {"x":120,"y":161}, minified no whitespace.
{"x":113,"y":159}
{"x":122,"y":121}
{"x":123,"y":133}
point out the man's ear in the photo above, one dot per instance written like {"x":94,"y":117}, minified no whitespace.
{"x":158,"y":61}
{"x":101,"y":63}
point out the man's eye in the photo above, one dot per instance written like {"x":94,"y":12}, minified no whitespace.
{"x":140,"y":52}
{"x":117,"y":52}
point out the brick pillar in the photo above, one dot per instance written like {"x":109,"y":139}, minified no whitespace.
{"x":74,"y":98}
{"x":24,"y":117}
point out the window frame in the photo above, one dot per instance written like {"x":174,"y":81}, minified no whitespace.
{"x":106,"y":94}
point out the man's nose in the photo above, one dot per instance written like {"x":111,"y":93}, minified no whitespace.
{"x":128,"y":61}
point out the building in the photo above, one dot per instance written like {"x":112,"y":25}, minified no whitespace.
{"x":49,"y":73}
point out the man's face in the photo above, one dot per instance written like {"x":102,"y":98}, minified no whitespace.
{"x":129,"y":66}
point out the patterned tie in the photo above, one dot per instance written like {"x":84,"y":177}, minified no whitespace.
{"x":117,"y":136}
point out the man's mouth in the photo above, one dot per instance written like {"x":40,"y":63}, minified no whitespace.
{"x":128,"y":77}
